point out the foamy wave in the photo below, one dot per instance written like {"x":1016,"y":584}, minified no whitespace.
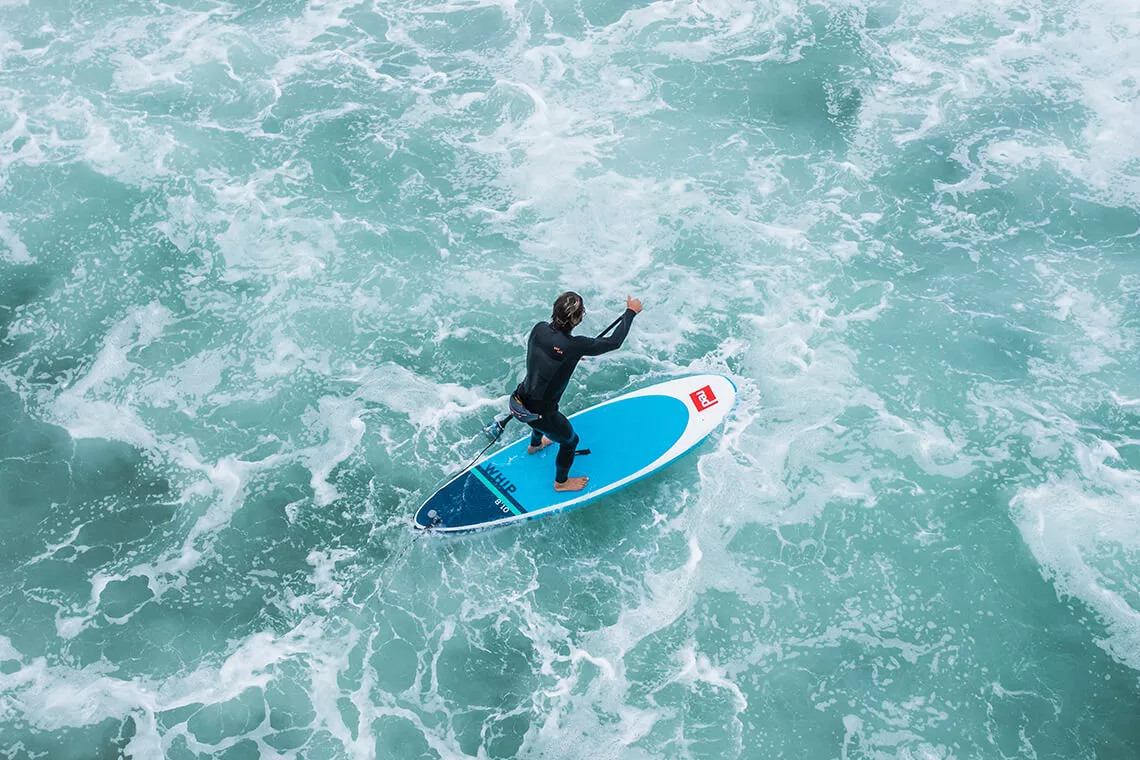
{"x":948,"y":68}
{"x":17,"y":252}
{"x":1086,"y":540}
{"x":94,"y":406}
{"x":51,"y":697}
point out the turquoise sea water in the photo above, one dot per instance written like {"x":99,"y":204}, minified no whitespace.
{"x":267,"y":268}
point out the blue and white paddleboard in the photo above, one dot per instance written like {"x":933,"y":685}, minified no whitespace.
{"x":629,"y":437}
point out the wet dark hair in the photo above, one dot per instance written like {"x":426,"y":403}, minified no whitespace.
{"x":568,"y":311}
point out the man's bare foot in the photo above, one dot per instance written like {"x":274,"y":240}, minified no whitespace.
{"x":535,"y":449}
{"x":571,"y":484}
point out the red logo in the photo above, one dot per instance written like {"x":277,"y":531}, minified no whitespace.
{"x":704,"y":398}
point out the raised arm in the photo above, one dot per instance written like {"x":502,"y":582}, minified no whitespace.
{"x":584,"y":346}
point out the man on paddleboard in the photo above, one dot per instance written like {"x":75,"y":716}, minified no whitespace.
{"x":552,"y":353}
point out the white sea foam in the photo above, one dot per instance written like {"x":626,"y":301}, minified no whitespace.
{"x":13,"y":249}
{"x":97,"y":405}
{"x":189,"y":385}
{"x":345,"y":429}
{"x":1083,"y":61}
{"x":427,"y":404}
{"x":1083,"y":540}
{"x":52,"y":697}
{"x":318,"y":18}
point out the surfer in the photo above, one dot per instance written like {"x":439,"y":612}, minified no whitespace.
{"x":552,"y":353}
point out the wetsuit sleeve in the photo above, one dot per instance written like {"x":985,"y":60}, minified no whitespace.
{"x":584,"y":346}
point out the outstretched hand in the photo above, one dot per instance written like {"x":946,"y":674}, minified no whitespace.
{"x":633,"y":304}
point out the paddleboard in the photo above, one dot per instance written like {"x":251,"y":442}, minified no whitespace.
{"x":629,"y":437}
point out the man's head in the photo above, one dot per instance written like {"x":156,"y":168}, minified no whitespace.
{"x":568,"y":311}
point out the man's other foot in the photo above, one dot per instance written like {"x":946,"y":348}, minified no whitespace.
{"x":535,"y":449}
{"x":571,"y":484}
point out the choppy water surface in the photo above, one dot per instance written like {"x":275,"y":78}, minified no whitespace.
{"x":266,"y":268}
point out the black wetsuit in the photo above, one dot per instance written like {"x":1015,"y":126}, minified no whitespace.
{"x":551,"y":356}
